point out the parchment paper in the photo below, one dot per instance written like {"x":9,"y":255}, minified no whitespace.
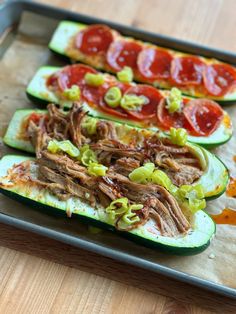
{"x":24,"y":56}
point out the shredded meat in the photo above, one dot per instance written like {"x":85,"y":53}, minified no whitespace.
{"x":169,"y":163}
{"x":185,"y":175}
{"x":163,"y":205}
{"x":66,"y":177}
{"x":67,"y":184}
{"x":108,"y":150}
{"x":109,"y":188}
{"x":125,"y":165}
{"x":156,"y":144}
{"x":67,"y":166}
{"x":178,"y":163}
{"x":39,"y":138}
{"x":187,"y":161}
{"x":75,"y":119}
{"x":106,"y":130}
{"x":57,"y":126}
{"x":61,"y":126}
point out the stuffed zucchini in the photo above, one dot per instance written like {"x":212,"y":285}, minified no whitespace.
{"x":140,"y":105}
{"x":193,"y":240}
{"x":184,"y":163}
{"x":130,"y":180}
{"x":106,"y":49}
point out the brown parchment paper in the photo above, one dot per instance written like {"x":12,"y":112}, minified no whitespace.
{"x":27,"y":52}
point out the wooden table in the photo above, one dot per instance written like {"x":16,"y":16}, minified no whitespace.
{"x":38,"y":275}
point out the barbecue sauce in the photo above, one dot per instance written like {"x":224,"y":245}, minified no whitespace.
{"x":227,"y":217}
{"x":231,"y":188}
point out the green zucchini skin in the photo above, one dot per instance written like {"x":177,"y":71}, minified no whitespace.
{"x":214,"y":180}
{"x":42,"y":103}
{"x":190,"y":249}
{"x":49,"y":210}
{"x":38,"y":92}
{"x":67,"y":29}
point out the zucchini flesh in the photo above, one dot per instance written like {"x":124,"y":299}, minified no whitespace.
{"x":38,"y":91}
{"x":67,"y":29}
{"x":195,"y":241}
{"x":214,"y":179}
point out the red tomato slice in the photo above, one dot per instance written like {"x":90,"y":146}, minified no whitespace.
{"x":219,"y":79}
{"x":123,"y":53}
{"x":73,"y":75}
{"x":187,"y":71}
{"x":167,"y":120}
{"x":94,"y":39}
{"x":154,"y":63}
{"x":204,"y":115}
{"x":152,"y":100}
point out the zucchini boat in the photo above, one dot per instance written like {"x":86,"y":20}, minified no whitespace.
{"x":194,"y":241}
{"x":214,"y":175}
{"x":106,"y":49}
{"x":206,"y":123}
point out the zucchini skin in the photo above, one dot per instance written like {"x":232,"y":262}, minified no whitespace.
{"x":211,"y":198}
{"x":37,"y":101}
{"x":52,"y":211}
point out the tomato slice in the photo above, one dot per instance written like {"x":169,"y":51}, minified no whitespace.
{"x":219,"y":79}
{"x":73,"y":75}
{"x":123,"y":53}
{"x":152,"y":100}
{"x":204,"y":116}
{"x":154,"y":63}
{"x":94,"y":39}
{"x":187,"y":71}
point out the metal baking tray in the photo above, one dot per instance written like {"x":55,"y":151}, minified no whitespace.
{"x":10,"y":14}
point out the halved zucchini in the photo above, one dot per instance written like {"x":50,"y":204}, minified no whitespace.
{"x":195,"y":241}
{"x":67,"y":29}
{"x":214,"y":179}
{"x":38,"y":92}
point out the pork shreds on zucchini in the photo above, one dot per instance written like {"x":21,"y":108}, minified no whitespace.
{"x":66,"y":176}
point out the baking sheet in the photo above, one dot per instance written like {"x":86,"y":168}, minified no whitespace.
{"x":27,"y":52}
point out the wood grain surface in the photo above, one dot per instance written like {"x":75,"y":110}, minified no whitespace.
{"x":38,"y":275}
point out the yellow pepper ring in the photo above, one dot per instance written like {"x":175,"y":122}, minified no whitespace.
{"x":113,"y":97}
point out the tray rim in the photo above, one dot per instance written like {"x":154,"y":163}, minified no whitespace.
{"x":38,"y":8}
{"x":184,"y":45}
{"x":117,"y":255}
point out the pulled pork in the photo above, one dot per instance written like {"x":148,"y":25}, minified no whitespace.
{"x":66,"y":177}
